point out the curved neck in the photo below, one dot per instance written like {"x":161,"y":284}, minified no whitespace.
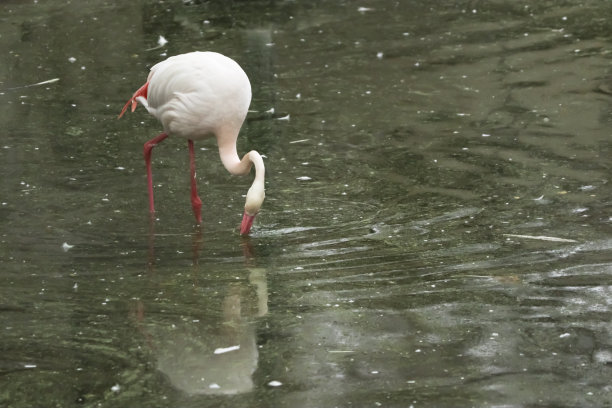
{"x":238,"y":167}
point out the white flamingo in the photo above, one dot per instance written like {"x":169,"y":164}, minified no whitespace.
{"x":195,"y":96}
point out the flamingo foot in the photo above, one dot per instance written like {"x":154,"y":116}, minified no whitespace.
{"x":141,"y":92}
{"x":196,"y":204}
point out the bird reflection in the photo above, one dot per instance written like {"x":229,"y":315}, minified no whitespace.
{"x":209,"y":352}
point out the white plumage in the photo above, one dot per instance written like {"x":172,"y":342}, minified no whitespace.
{"x":193,"y":94}
{"x":198,"y":95}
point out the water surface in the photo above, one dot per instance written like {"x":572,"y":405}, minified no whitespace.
{"x":436,"y":231}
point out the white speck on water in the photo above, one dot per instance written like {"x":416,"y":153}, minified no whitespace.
{"x":271,"y":110}
{"x":564,"y":335}
{"x":539,"y":198}
{"x":161,"y":41}
{"x":223,"y":350}
{"x":364,"y":9}
{"x":579,"y":210}
{"x":303,"y":178}
{"x":298,"y":96}
{"x":299,"y":141}
{"x":72,"y":60}
{"x":380,"y":55}
{"x":119,"y":168}
{"x":485,"y":135}
{"x":275,"y":383}
{"x":29,"y":366}
{"x":116,"y":388}
{"x":374,"y":372}
{"x":67,"y":247}
{"x":214,"y":386}
{"x":76,"y":286}
{"x":284,"y":117}
{"x":587,"y":188}
{"x":298,"y":268}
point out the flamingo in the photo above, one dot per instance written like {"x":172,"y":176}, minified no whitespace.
{"x":195,"y":96}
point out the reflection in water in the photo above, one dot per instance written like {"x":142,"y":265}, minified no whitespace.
{"x":204,"y":355}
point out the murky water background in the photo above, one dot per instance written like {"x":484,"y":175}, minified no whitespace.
{"x":436,"y":231}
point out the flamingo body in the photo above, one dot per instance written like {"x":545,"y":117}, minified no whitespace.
{"x":199,"y":94}
{"x":195,"y":96}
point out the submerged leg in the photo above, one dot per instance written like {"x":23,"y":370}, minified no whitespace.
{"x":148,"y":147}
{"x":196,"y":203}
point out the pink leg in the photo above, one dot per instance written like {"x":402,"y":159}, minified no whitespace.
{"x":196,"y":203}
{"x":148,"y":147}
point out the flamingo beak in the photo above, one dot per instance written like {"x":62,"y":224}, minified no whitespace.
{"x":247,"y":223}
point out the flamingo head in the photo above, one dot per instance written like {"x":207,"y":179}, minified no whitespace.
{"x":254,"y":199}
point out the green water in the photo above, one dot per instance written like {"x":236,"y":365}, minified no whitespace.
{"x":436,"y":230}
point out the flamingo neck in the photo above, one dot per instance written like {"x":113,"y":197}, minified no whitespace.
{"x":241,"y":167}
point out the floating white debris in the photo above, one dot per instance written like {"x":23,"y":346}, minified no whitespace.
{"x":540,"y":237}
{"x":72,"y":60}
{"x":304,"y":178}
{"x":119,"y":168}
{"x":485,"y":135}
{"x":214,"y":386}
{"x":29,"y":366}
{"x":49,"y":81}
{"x":284,"y":117}
{"x":271,"y":110}
{"x":275,"y":383}
{"x":299,"y":141}
{"x":539,"y":198}
{"x":67,"y":247}
{"x":116,"y":388}
{"x":222,"y":350}
{"x":161,"y":41}
{"x":564,"y":335}
{"x":364,"y":9}
{"x":380,"y":55}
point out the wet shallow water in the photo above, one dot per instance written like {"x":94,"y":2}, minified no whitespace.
{"x":436,"y":231}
